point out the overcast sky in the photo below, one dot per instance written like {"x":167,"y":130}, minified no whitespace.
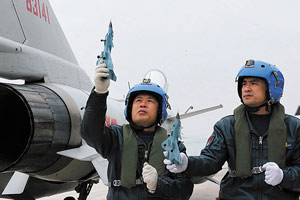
{"x":199,"y":44}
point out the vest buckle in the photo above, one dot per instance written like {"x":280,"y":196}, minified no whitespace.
{"x":254,"y":170}
{"x":257,"y":170}
{"x":116,"y":183}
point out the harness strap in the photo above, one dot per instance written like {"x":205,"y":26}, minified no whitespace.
{"x":117,"y":183}
{"x":254,"y":171}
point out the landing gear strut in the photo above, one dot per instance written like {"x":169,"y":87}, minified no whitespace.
{"x":84,"y":189}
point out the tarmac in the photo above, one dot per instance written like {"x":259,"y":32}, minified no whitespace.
{"x":205,"y":191}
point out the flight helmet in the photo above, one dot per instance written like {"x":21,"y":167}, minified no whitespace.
{"x":146,"y":87}
{"x":268,"y":72}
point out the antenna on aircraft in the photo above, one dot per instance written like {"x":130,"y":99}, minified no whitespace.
{"x":190,"y":108}
{"x":298,"y":111}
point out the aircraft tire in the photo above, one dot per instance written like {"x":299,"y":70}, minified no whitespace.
{"x":69,"y":198}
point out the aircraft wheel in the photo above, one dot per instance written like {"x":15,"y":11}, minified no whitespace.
{"x":69,"y":198}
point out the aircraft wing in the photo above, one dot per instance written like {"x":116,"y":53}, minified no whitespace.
{"x":16,"y":184}
{"x":87,"y":153}
{"x":194,"y":113}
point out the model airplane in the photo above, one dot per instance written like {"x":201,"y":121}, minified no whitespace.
{"x":171,"y":143}
{"x":105,"y":54}
{"x":41,"y":151}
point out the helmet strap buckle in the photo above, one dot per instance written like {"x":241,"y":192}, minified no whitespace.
{"x":277,"y":80}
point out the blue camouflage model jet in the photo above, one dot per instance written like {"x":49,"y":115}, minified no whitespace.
{"x":171,"y":143}
{"x":105,"y":54}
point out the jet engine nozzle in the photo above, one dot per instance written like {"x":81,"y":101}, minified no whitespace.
{"x":35,"y":124}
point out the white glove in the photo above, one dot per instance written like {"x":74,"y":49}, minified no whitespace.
{"x":100,"y":78}
{"x":150,"y":177}
{"x":176,"y":168}
{"x":273,"y":174}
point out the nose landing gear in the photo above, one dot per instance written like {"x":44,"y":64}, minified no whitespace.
{"x":83,"y":189}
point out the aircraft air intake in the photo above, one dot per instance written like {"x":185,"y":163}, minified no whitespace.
{"x":35,"y":124}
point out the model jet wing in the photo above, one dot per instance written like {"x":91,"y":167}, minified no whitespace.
{"x":171,"y":143}
{"x":105,"y":54}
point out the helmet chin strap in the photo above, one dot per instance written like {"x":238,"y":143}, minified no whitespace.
{"x":255,"y":109}
{"x":141,"y":128}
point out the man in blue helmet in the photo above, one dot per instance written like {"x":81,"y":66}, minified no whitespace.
{"x":136,"y":170}
{"x":259,"y":141}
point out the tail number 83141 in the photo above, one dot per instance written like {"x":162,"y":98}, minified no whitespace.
{"x":39,"y":9}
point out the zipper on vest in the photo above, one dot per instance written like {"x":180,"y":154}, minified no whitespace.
{"x":260,"y":143}
{"x":146,"y":154}
{"x":147,"y":150}
{"x":260,"y":180}
{"x":260,"y":140}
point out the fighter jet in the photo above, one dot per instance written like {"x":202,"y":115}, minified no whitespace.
{"x":41,"y":116}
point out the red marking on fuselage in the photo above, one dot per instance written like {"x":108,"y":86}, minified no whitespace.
{"x":110,"y":121}
{"x":39,"y":9}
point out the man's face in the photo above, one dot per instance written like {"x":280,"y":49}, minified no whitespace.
{"x":144,"y":110}
{"x":253,"y":91}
